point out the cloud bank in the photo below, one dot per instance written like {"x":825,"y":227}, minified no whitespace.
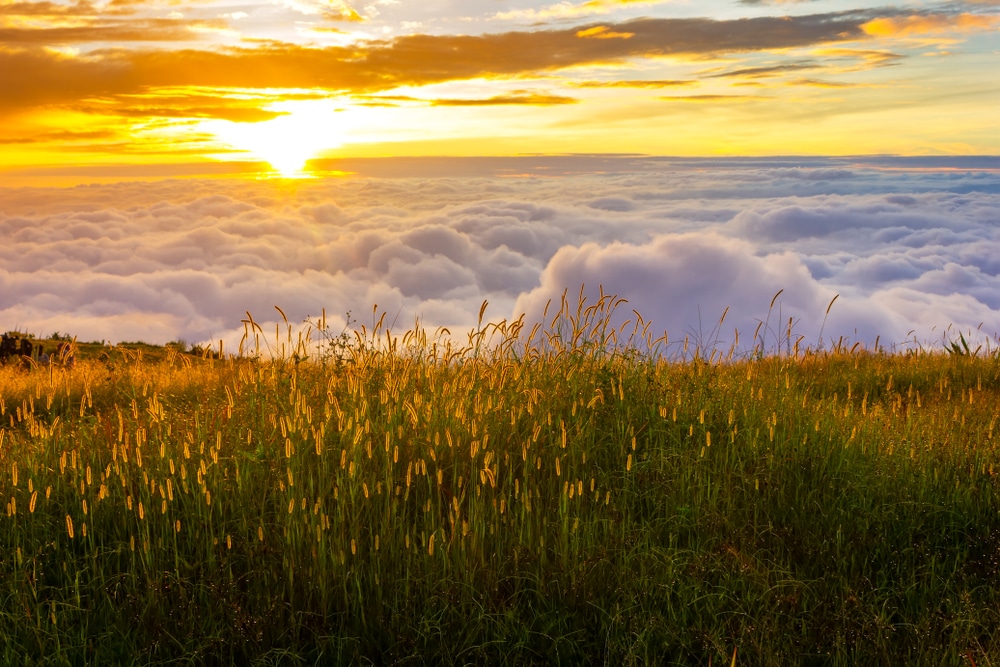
{"x":912,"y":250}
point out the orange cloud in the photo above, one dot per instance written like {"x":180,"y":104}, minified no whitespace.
{"x":63,"y":136}
{"x":534,"y":99}
{"x":929,"y":24}
{"x":602,"y":32}
{"x":52,"y":9}
{"x":341,"y":11}
{"x":236,"y":114}
{"x":150,"y":30}
{"x":31,"y":76}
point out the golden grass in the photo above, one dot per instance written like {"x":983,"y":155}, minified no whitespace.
{"x":513,"y":457}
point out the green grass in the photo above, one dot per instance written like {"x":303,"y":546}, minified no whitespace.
{"x":533,"y":500}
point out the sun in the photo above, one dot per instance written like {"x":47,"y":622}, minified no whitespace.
{"x":287,"y":142}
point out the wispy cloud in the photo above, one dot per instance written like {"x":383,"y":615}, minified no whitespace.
{"x":603,"y":32}
{"x":711,"y":98}
{"x":531,"y":99}
{"x":755,"y":3}
{"x":764,"y":71}
{"x":570,"y":10}
{"x":634,"y":83}
{"x":821,"y":83}
{"x":865,"y":58}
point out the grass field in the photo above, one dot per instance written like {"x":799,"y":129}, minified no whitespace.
{"x":524,"y":499}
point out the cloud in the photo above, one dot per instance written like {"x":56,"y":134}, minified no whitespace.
{"x":910,"y":245}
{"x":568,"y":10}
{"x":333,"y":10}
{"x":602,"y":32}
{"x":51,"y":10}
{"x":772,"y":2}
{"x":690,"y":281}
{"x":711,"y":98}
{"x":235,"y":111}
{"x":797,"y":222}
{"x":635,"y":83}
{"x":930,"y":24}
{"x":531,"y":99}
{"x":869,"y":58}
{"x":133,"y":30}
{"x":620,"y":204}
{"x":31,"y":77}
{"x":762,"y":72}
{"x":818,"y":83}
{"x":340,"y":10}
{"x":194,"y":266}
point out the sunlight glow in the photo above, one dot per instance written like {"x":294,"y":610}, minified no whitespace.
{"x":274,"y":89}
{"x":287,"y":142}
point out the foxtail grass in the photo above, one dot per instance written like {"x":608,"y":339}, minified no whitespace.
{"x":543,"y":496}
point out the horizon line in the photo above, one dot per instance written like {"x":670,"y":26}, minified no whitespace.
{"x":403,"y":166}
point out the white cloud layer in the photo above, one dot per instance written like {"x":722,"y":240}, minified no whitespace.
{"x":910,"y":252}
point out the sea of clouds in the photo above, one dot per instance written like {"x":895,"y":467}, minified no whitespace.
{"x":912,"y":248}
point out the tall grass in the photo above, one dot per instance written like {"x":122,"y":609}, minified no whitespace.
{"x":542,"y":497}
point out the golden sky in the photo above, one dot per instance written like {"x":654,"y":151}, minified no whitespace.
{"x":159,"y":87}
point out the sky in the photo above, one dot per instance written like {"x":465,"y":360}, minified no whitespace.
{"x":104,"y":90}
{"x":167,"y":168}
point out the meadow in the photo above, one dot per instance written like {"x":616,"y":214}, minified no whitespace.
{"x":553,"y":496}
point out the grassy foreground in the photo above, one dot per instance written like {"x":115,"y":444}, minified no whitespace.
{"x":547,"y":502}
